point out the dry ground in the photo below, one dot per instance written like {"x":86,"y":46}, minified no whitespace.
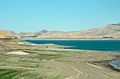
{"x":38,"y":62}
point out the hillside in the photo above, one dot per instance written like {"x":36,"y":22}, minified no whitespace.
{"x":7,"y":35}
{"x":111,"y":31}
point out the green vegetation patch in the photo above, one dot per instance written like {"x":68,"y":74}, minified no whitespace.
{"x":18,"y":74}
{"x":49,"y":56}
{"x":9,"y":73}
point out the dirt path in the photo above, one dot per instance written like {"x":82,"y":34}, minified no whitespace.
{"x":94,"y":66}
{"x":90,"y":71}
{"x":77,"y":75}
{"x":78,"y":72}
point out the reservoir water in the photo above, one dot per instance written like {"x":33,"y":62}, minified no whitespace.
{"x":100,"y":45}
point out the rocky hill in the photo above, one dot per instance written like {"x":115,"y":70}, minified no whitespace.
{"x":7,"y":35}
{"x":111,"y":31}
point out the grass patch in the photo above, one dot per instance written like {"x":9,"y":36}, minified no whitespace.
{"x":49,"y":56}
{"x":8,"y":73}
{"x":18,"y":74}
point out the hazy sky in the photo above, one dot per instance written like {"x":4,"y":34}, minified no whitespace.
{"x":67,"y":15}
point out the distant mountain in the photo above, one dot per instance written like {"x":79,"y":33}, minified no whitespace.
{"x":111,"y":31}
{"x":30,"y":35}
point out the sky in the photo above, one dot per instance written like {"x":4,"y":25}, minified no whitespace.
{"x":59,"y":15}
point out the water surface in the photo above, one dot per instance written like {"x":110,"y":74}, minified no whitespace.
{"x":100,"y":45}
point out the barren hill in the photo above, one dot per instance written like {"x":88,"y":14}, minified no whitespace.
{"x":111,"y":31}
{"x":6,"y":35}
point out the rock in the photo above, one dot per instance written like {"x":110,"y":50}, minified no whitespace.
{"x":115,"y":64}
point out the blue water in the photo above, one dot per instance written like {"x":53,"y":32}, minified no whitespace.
{"x":100,"y":45}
